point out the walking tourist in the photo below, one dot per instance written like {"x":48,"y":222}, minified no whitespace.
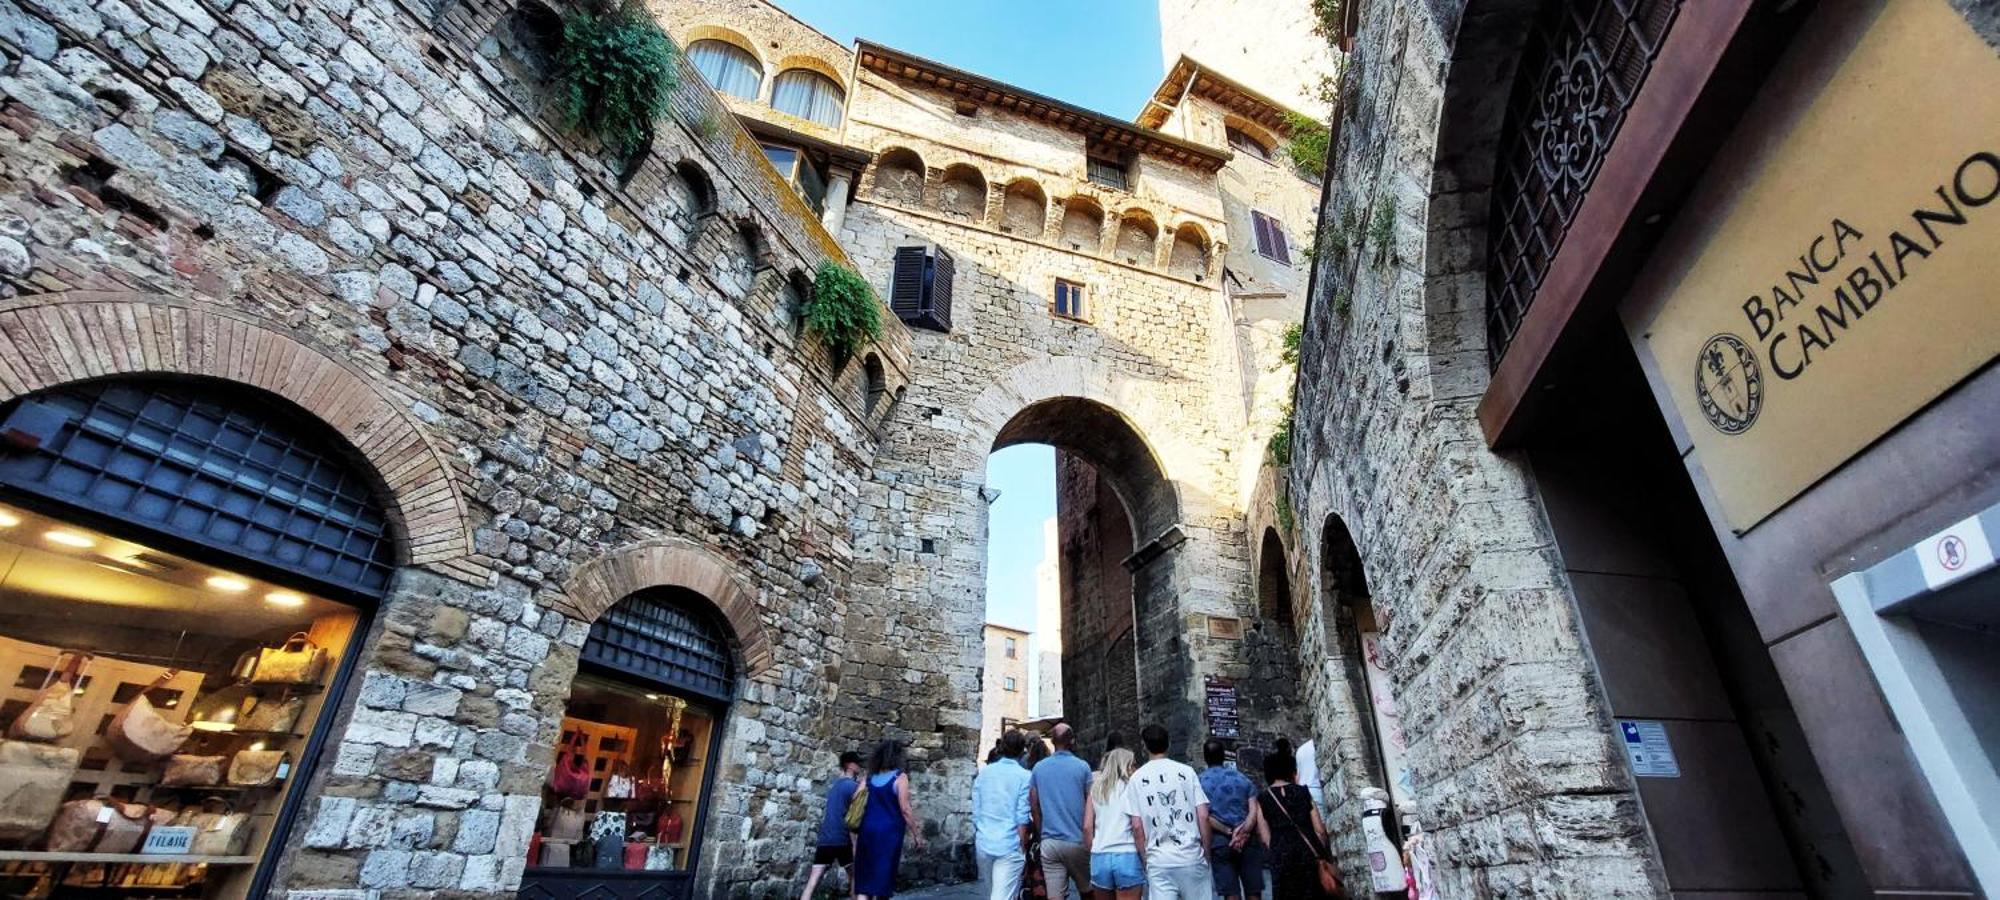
{"x":1114,"y":857}
{"x":878,"y":844}
{"x":1308,"y":759}
{"x":835,"y":846}
{"x":1058,"y":790}
{"x":1000,"y":819}
{"x":1288,"y":822}
{"x":1032,"y":885}
{"x":1235,"y":854}
{"x":1169,"y":816}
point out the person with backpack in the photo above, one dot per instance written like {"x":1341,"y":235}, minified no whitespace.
{"x":835,"y":846}
{"x":1001,"y":819}
{"x":1287,"y":821}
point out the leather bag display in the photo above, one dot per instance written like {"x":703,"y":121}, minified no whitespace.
{"x":218,"y":829}
{"x":33,"y":779}
{"x":566,"y":825}
{"x":570,"y":779}
{"x":189,"y":770}
{"x":51,"y":716}
{"x":258,"y":768}
{"x":102,"y":825}
{"x":270,"y":714}
{"x":296,"y":661}
{"x":671,"y":827}
{"x":140,"y":734}
{"x":659,"y":857}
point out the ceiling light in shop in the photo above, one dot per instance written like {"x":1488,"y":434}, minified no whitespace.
{"x":69,"y":539}
{"x":8,"y":520}
{"x":228,"y":583}
{"x":282,"y":598}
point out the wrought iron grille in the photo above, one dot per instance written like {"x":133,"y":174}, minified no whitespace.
{"x":1580,"y":69}
{"x":198,"y":461}
{"x":663,"y":635}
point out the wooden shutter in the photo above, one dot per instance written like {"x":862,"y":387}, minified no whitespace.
{"x":1271,"y":238}
{"x":906,"y":283}
{"x":942,"y":270}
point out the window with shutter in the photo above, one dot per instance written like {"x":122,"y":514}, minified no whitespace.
{"x":920,"y":287}
{"x":1271,"y":241}
{"x":1069,"y":299}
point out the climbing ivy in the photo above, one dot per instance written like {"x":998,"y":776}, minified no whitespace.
{"x":842,"y":311}
{"x":1280,"y":446}
{"x":614,"y":73}
{"x":1307,"y":148}
{"x":1295,"y":334}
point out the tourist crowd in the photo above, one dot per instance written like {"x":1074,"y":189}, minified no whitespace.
{"x":1044,"y":821}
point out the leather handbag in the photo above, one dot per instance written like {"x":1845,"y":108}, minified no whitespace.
{"x":103,"y":825}
{"x":259,"y":768}
{"x":140,"y":734}
{"x":671,"y":827}
{"x":189,"y":770}
{"x":659,"y":857}
{"x":51,"y":716}
{"x":571,"y":776}
{"x":555,"y":854}
{"x":225,"y":833}
{"x":297,"y":661}
{"x":270,"y":714}
{"x":566,"y":825}
{"x":635,"y":853}
{"x":33,"y":779}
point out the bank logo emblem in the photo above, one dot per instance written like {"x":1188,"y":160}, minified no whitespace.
{"x":1729,"y":384}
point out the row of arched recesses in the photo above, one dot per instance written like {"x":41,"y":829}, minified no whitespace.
{"x":1022,"y":208}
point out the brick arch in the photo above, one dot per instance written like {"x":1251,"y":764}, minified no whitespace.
{"x":673,"y":562}
{"x":136,"y":334}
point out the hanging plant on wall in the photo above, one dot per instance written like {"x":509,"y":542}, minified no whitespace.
{"x":842,"y":311}
{"x":614,"y":74}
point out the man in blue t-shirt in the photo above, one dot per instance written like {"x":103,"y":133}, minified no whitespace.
{"x":1057,"y":790}
{"x":1236,"y":858}
{"x":835,"y":844}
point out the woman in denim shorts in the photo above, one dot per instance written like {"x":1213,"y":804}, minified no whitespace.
{"x":1114,"y":857}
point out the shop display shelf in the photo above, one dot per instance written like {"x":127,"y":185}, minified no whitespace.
{"x":116,"y":858}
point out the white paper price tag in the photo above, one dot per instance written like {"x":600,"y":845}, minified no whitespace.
{"x":169,"y":840}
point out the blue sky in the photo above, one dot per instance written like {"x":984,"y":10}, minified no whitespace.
{"x":1099,"y":54}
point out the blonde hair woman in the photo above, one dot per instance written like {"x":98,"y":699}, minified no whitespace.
{"x":1114,"y":858}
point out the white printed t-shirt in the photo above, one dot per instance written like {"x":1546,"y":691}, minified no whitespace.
{"x":1165,"y":796}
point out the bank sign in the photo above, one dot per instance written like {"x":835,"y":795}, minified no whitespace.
{"x":1856,"y":274}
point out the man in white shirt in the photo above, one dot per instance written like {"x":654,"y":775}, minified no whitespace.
{"x":1308,"y":759}
{"x":1169,"y":815}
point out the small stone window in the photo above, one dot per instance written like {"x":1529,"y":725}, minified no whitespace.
{"x":1242,"y":142}
{"x":1068,"y":300}
{"x":808,"y":95}
{"x":1012,"y":685}
{"x":1109,"y":168}
{"x":728,"y":68}
{"x":1271,"y":241}
{"x":1013,"y":649}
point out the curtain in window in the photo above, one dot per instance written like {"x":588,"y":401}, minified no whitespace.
{"x":808,"y":95}
{"x":728,"y":68}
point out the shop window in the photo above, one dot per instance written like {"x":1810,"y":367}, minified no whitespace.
{"x":187,"y":570}
{"x":1069,"y":300}
{"x":728,"y":68}
{"x":1270,"y":235}
{"x":636,"y":756}
{"x":808,"y":95}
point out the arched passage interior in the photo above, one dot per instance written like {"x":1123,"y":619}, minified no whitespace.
{"x":1124,"y":661}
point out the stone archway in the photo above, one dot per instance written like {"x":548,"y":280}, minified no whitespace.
{"x":134,"y":333}
{"x":673,"y":562}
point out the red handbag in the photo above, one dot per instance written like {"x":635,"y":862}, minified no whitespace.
{"x":635,"y":854}
{"x":670,"y":827}
{"x":571,"y":776}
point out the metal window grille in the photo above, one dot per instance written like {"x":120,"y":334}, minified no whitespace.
{"x":216,"y":466}
{"x":1106,"y":172}
{"x":1581,"y":68}
{"x":665,"y":635}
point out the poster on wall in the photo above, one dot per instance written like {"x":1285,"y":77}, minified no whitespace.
{"x":1850,"y":281}
{"x":1388,"y":725}
{"x":1220,"y":694}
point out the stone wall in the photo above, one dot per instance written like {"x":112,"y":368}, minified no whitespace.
{"x":1509,"y":741}
{"x":365,"y":188}
{"x":1100,"y":678}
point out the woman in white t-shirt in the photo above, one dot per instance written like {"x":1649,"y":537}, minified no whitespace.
{"x":1114,"y":858}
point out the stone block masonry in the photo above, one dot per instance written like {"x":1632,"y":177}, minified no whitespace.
{"x":359,"y":204}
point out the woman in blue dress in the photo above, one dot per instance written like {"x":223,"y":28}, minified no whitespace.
{"x":878,"y":844}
